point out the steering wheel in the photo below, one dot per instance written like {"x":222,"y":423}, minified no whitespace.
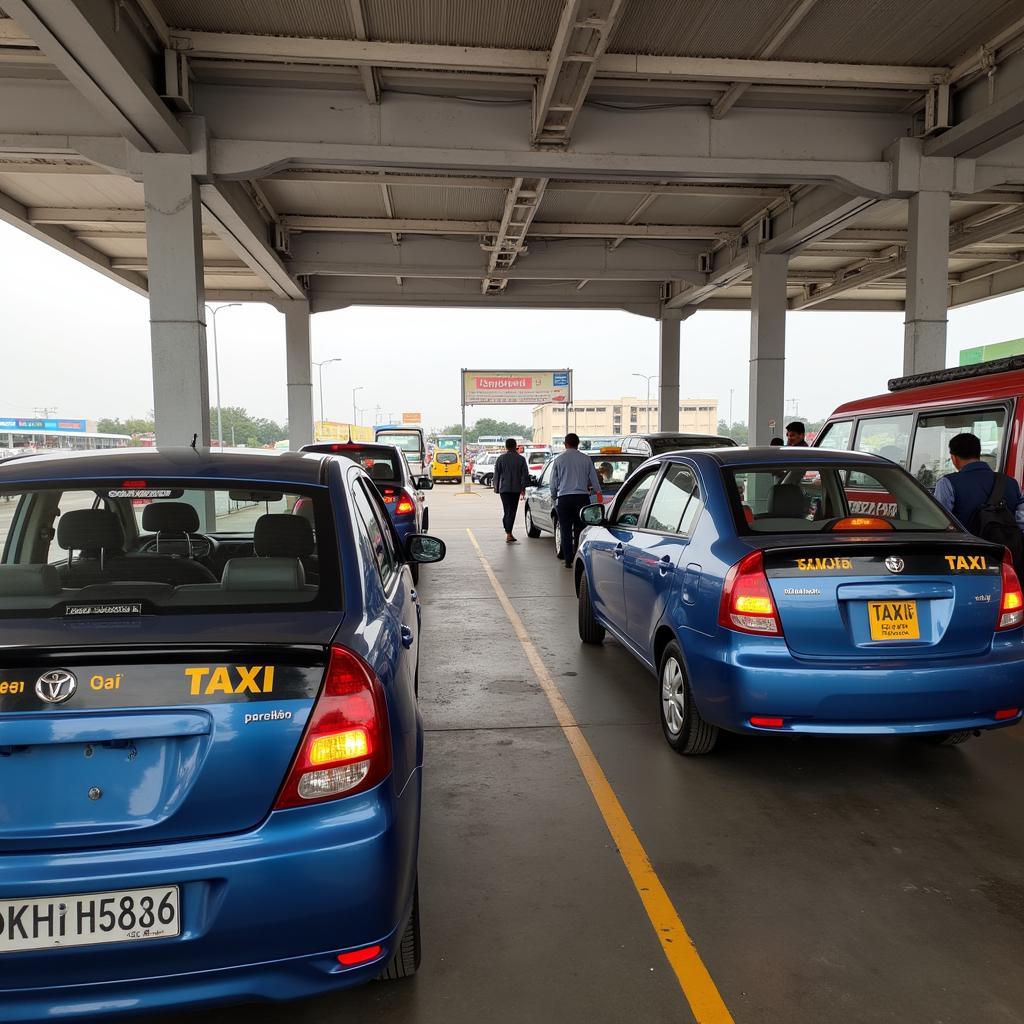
{"x":198,"y":546}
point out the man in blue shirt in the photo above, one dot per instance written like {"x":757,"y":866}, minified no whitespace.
{"x":964,"y":492}
{"x":573,"y":477}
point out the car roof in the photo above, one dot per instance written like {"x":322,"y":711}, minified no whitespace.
{"x":180,"y":463}
{"x":767,"y":455}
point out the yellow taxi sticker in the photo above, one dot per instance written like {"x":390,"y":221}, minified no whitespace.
{"x":818,"y":564}
{"x":894,"y":620}
{"x":206,"y":680}
{"x":966,"y":563}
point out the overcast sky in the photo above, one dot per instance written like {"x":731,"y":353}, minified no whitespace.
{"x":78,"y":344}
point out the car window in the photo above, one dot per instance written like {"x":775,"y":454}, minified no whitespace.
{"x":633,"y":496}
{"x":888,"y":436}
{"x":836,"y":436}
{"x":378,"y":535}
{"x":612,"y":471}
{"x":545,"y":477}
{"x":930,"y":457}
{"x":446,"y":458}
{"x":677,"y":502}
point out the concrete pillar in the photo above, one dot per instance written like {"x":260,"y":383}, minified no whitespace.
{"x":924,"y":333}
{"x":768,"y":306}
{"x":174,"y":244}
{"x":300,"y":373}
{"x":668,"y":371}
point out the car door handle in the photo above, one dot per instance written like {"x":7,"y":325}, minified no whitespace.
{"x":617,"y":551}
{"x":412,"y":594}
{"x":407,"y":636}
{"x":665,"y":566}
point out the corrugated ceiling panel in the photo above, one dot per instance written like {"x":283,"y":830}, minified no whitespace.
{"x":683,"y":209}
{"x":325,"y":199}
{"x":927,"y":32}
{"x":80,"y":190}
{"x":587,"y":207}
{"x":890,"y":214}
{"x":233,"y":282}
{"x":321,"y":19}
{"x":512,"y":24}
{"x":428,"y":203}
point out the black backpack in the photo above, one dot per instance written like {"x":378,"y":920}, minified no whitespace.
{"x":996,"y":522}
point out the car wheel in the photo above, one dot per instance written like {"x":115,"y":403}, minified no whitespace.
{"x":487,"y":480}
{"x":948,"y":739}
{"x":531,"y":529}
{"x":591,"y":631}
{"x":684,"y":729}
{"x":558,"y":537}
{"x":406,"y":960}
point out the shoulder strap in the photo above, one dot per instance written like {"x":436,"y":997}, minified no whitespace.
{"x":997,"y":489}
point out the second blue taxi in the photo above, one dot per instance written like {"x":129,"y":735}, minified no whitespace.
{"x":766,"y":602}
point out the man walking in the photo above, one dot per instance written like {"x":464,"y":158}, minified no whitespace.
{"x":511,"y":475}
{"x":573,"y":477}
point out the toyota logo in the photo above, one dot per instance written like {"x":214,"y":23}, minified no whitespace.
{"x":56,"y":687}
{"x":894,"y":564}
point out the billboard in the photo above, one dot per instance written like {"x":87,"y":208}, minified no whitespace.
{"x":44,"y":425}
{"x":412,"y":417}
{"x":983,"y":353}
{"x":327,"y":430}
{"x":516,"y":387}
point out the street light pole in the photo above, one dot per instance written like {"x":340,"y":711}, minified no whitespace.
{"x":320,"y":369}
{"x":354,"y":390}
{"x":647,"y":378}
{"x":214,"y":310}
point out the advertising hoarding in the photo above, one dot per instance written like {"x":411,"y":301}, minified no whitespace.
{"x":516,"y":387}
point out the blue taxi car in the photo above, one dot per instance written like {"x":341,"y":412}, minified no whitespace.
{"x":765,"y":598}
{"x":210,"y":746}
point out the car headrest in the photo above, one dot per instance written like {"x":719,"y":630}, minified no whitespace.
{"x":170,"y":517}
{"x":282,"y":535}
{"x":382,"y":471}
{"x":787,"y":500}
{"x":285,"y":574}
{"x":28,"y":580}
{"x":90,"y":529}
{"x":304,"y":507}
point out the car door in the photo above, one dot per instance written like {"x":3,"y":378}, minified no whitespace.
{"x":541,"y":506}
{"x":607,"y":546}
{"x":392,"y":621}
{"x":655,"y":560}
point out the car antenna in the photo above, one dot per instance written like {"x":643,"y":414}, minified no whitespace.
{"x":195,"y":438}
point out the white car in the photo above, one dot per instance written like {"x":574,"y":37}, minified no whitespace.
{"x":483,"y":469}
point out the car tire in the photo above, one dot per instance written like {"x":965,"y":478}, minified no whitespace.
{"x":591,"y":631}
{"x":557,"y":530}
{"x":487,"y":480}
{"x":406,"y":960}
{"x":948,"y":739}
{"x":685,"y":731}
{"x":531,"y":529}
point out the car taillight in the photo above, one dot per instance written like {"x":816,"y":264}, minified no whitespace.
{"x":747,"y":603}
{"x":1011,"y":605}
{"x":346,"y":747}
{"x":405,"y":506}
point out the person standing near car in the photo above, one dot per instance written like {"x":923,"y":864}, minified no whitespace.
{"x":573,"y":479}
{"x":796,"y":434}
{"x":511,"y":475}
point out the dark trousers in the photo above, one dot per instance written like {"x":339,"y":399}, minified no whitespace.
{"x":569,"y":507}
{"x":509,"y":505}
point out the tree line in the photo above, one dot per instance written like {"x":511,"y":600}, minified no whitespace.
{"x":239,"y":427}
{"x":488,"y":427}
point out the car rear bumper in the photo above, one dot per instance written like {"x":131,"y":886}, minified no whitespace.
{"x":264,"y":914}
{"x":744,"y":678}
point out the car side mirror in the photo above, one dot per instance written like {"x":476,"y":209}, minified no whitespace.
{"x":532,"y":481}
{"x":424,"y":549}
{"x":593,"y":515}
{"x":424,"y":483}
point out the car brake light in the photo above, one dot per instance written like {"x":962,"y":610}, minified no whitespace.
{"x":359,"y":956}
{"x":747,"y":603}
{"x":346,"y":747}
{"x":405,"y":506}
{"x":1005,"y":714}
{"x":862,"y":523}
{"x":1011,"y":605}
{"x":767,"y":722}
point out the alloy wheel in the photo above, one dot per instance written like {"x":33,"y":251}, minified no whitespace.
{"x":673,"y":696}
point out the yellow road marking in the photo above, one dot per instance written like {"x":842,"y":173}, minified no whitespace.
{"x":701,"y":993}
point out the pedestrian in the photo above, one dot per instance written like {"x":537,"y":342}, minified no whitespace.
{"x":986,"y":503}
{"x":511,"y":475}
{"x":795,"y":433}
{"x":776,"y":442}
{"x":573,"y":479}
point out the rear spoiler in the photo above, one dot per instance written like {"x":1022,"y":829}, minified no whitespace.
{"x":953,"y":373}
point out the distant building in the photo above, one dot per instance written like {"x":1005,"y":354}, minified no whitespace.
{"x":618,"y":416}
{"x":33,"y":433}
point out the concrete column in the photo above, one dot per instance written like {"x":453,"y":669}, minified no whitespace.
{"x":768,"y":306}
{"x":300,"y":373}
{"x":174,"y":244}
{"x":924,"y":333}
{"x":668,"y":371}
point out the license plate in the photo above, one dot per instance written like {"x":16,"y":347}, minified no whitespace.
{"x":894,"y":620}
{"x":95,"y":918}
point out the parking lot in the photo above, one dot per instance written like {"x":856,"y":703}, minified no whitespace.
{"x":866,"y":880}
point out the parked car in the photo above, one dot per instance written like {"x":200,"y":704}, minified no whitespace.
{"x":613,"y":467}
{"x":661,"y":442}
{"x":410,"y":441}
{"x":388,"y":468}
{"x":446,"y":465}
{"x":483,"y":469}
{"x":766,"y":603}
{"x":209,"y":732}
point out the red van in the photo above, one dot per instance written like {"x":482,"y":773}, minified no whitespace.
{"x":913,"y":422}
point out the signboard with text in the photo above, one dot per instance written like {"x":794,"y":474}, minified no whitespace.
{"x":412,"y":417}
{"x":516,"y":387}
{"x":73,"y":426}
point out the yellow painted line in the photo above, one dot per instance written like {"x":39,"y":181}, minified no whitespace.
{"x":700,"y":990}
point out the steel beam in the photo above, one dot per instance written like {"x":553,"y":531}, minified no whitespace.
{"x":109,"y":65}
{"x":1000,"y":122}
{"x":521,"y":205}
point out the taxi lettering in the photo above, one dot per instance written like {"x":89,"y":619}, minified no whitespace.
{"x":105,"y":682}
{"x":206,"y":680}
{"x":961,"y":563}
{"x":815,"y":564}
{"x":12,"y":686}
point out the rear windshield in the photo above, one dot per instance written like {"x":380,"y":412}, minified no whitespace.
{"x":537,"y":458}
{"x":446,"y":458}
{"x":612,"y":471}
{"x":660,"y":445}
{"x":815,"y":499}
{"x":138,"y":547}
{"x":380,"y":464}
{"x":411,"y":443}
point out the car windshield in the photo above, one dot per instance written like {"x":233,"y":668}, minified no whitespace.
{"x":409,"y":443}
{"x":807,"y":498}
{"x":381,"y":465}
{"x":138,"y":547}
{"x":660,"y":445}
